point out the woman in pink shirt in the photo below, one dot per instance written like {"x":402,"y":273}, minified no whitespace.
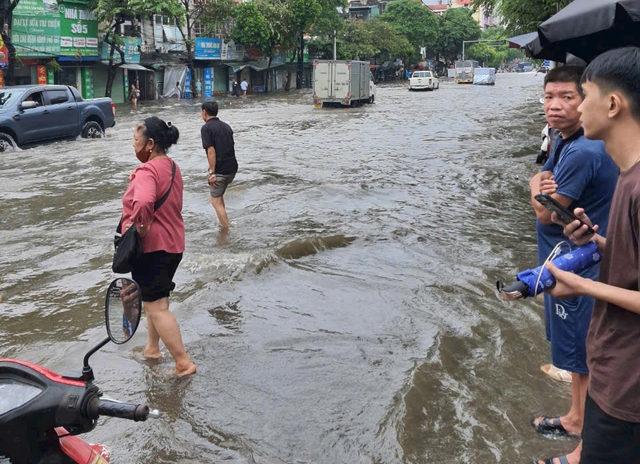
{"x":162,"y":234}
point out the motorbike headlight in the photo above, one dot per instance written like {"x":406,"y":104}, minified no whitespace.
{"x":14,"y":393}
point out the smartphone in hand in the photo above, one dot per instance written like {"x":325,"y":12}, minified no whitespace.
{"x":566,"y":216}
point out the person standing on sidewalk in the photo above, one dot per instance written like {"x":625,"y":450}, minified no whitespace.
{"x":579,"y":174}
{"x":244,"y":86}
{"x":217,"y":141}
{"x":611,"y":113}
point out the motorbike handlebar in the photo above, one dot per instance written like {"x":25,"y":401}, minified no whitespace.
{"x":134,"y":412}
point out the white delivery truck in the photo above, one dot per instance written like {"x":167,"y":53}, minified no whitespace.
{"x":342,"y":83}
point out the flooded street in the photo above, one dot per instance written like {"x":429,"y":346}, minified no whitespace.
{"x":350,"y":316}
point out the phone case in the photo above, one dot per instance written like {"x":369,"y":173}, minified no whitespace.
{"x":566,"y":216}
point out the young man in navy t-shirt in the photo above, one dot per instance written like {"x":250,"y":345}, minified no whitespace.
{"x":578,"y":174}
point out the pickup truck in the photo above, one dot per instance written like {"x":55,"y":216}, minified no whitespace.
{"x":39,"y":113}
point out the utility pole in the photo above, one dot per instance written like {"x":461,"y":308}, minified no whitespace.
{"x":335,"y":38}
{"x":481,"y":40}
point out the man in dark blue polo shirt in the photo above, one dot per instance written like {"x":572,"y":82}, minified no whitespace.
{"x":217,"y":141}
{"x":578,"y":174}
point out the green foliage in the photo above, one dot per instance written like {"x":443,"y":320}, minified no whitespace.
{"x":456,"y":26}
{"x":216,"y":15}
{"x":304,"y":14}
{"x":493,"y":54}
{"x":329,"y":19}
{"x":356,"y":42}
{"x":414,"y":21}
{"x":521,"y":16}
{"x":53,"y":65}
{"x":264,"y":24}
{"x":388,"y":44}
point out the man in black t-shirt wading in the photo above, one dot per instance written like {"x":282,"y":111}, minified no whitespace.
{"x":217,"y":141}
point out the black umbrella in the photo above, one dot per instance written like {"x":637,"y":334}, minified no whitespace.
{"x":586,"y":28}
{"x":530,"y":43}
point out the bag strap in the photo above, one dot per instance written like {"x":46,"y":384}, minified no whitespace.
{"x":160,"y":201}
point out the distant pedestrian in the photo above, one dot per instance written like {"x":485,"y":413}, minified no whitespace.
{"x":217,"y":141}
{"x":285,"y":83}
{"x":177,"y":90}
{"x":234,"y":89}
{"x":198,"y":88}
{"x":244,"y":86}
{"x":134,"y":94}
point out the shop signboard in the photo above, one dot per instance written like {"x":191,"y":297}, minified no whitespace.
{"x":42,"y":75}
{"x":35,"y":28}
{"x":87,"y":82}
{"x":208,"y":49}
{"x":208,"y":82}
{"x":51,"y":77}
{"x":78,"y":29}
{"x":4,"y":54}
{"x":125,"y":73}
{"x":1,"y":79}
{"x":131,"y":50}
{"x":187,"y":85}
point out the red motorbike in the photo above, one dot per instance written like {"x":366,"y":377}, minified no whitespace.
{"x":41,"y":412}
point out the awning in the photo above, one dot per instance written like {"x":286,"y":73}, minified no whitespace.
{"x":260,"y":65}
{"x":134,"y":67}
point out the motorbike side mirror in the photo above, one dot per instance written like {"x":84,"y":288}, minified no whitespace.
{"x":123,"y":308}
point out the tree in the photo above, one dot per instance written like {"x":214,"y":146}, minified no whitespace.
{"x":388,"y":44}
{"x":456,"y":26}
{"x":328,"y":22}
{"x":192,"y":11}
{"x":217,"y":16}
{"x":521,"y":16}
{"x":265,"y":25}
{"x":493,"y":54}
{"x":356,"y":42}
{"x":6,"y":16}
{"x":304,"y":15}
{"x":114,"y":12}
{"x":414,"y":21}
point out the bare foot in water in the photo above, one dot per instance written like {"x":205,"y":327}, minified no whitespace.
{"x":188,"y":369}
{"x":152,"y":354}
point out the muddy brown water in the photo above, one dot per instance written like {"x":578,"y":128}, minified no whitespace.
{"x":350,"y":316}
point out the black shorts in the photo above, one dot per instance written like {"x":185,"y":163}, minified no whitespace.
{"x":154,"y":273}
{"x":606,"y":439}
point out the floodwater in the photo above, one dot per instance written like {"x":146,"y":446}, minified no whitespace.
{"x":350,"y":316}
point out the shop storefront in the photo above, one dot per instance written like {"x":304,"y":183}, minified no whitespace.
{"x":56,"y":42}
{"x":126,"y":74}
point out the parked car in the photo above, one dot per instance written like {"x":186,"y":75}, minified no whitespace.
{"x":423,"y":80}
{"x":39,"y":113}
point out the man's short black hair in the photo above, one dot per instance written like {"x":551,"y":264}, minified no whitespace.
{"x":570,"y":73}
{"x":618,"y":69}
{"x":210,"y":107}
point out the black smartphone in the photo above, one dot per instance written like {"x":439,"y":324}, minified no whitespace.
{"x":566,"y":216}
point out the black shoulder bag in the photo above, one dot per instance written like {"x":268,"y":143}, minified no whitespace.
{"x":128,"y":245}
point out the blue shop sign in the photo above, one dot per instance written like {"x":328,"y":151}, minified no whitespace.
{"x":208,"y":49}
{"x":208,"y":82}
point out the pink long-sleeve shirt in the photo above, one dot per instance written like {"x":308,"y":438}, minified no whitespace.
{"x":149,"y":182}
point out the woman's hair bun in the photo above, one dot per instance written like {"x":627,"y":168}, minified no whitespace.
{"x":164,"y":134}
{"x":173,"y":135}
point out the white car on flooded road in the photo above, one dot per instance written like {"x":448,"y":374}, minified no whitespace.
{"x":423,"y":80}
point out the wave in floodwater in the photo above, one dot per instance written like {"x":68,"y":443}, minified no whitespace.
{"x":350,"y":313}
